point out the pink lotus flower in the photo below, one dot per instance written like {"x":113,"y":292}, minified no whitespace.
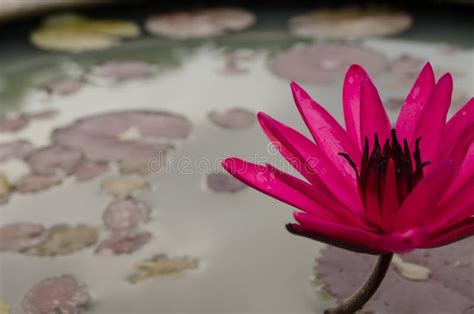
{"x":374,"y":188}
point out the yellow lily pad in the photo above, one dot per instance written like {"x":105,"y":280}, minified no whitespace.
{"x":65,"y":239}
{"x":4,"y":308}
{"x":75,"y":33}
{"x":160,"y":265}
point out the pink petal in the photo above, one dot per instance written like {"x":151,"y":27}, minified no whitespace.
{"x":456,"y":208}
{"x":348,"y":237}
{"x":465,"y":173}
{"x":373,"y":117}
{"x":351,"y":101}
{"x":312,"y":161}
{"x":346,"y":215}
{"x":461,"y":146}
{"x":403,"y":242}
{"x":456,"y":126}
{"x":295,"y":158}
{"x":444,"y":237}
{"x":419,"y":204}
{"x":432,"y":120}
{"x":326,"y":131}
{"x":414,"y":103}
{"x":263,"y":179}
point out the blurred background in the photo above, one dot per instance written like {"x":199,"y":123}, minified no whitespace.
{"x":115,"y":116}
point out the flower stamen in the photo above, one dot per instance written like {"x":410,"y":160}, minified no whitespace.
{"x":372,"y":175}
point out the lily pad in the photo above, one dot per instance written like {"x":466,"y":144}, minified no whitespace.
{"x":107,"y":137}
{"x":15,"y":149}
{"x":62,"y":294}
{"x":199,"y":23}
{"x":54,"y":160}
{"x":75,"y":33}
{"x":14,"y":124}
{"x":235,"y":118}
{"x":5,"y":188}
{"x":126,"y":186}
{"x":64,"y":86}
{"x":161,"y":265}
{"x":324,"y":64}
{"x":65,"y":239}
{"x":123,"y":242}
{"x":444,"y":272}
{"x":126,"y":214}
{"x":4,"y":307}
{"x":223,"y":182}
{"x":36,"y":182}
{"x":22,"y":120}
{"x":122,"y":70}
{"x":90,"y":170}
{"x":21,"y":236}
{"x":350,"y":23}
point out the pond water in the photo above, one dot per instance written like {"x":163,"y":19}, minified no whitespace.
{"x":247,"y":261}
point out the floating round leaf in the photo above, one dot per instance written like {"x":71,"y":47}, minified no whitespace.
{"x":408,"y":288}
{"x":122,"y":70}
{"x":20,"y":236}
{"x":223,"y":182}
{"x":323,"y":64}
{"x":106,"y":137}
{"x":160,"y":265}
{"x":65,"y":86}
{"x":15,"y":149}
{"x":5,"y":188}
{"x":65,"y":239}
{"x":123,"y":242}
{"x":90,"y":170}
{"x":4,"y":307}
{"x":350,"y":23}
{"x":62,"y":294}
{"x":54,"y":160}
{"x":126,"y":214}
{"x":235,"y":118}
{"x":36,"y":182}
{"x":75,"y":33}
{"x":200,"y":23}
{"x":124,"y":186}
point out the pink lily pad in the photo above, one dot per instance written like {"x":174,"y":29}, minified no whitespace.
{"x":19,"y":122}
{"x":20,"y":236}
{"x":447,"y":289}
{"x":235,"y":118}
{"x":15,"y":149}
{"x":62,"y":294}
{"x":123,"y":242}
{"x":125,"y":135}
{"x":36,"y":182}
{"x":223,"y":182}
{"x":54,"y":160}
{"x":199,"y":23}
{"x":122,"y":70}
{"x":349,"y":23}
{"x":65,"y":86}
{"x":14,"y":124}
{"x":89,"y":170}
{"x":324,"y":64}
{"x":123,"y":214}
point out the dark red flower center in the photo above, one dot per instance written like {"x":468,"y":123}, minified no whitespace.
{"x":388,"y":169}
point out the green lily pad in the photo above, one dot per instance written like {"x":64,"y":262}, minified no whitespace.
{"x":75,"y":33}
{"x":65,"y":239}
